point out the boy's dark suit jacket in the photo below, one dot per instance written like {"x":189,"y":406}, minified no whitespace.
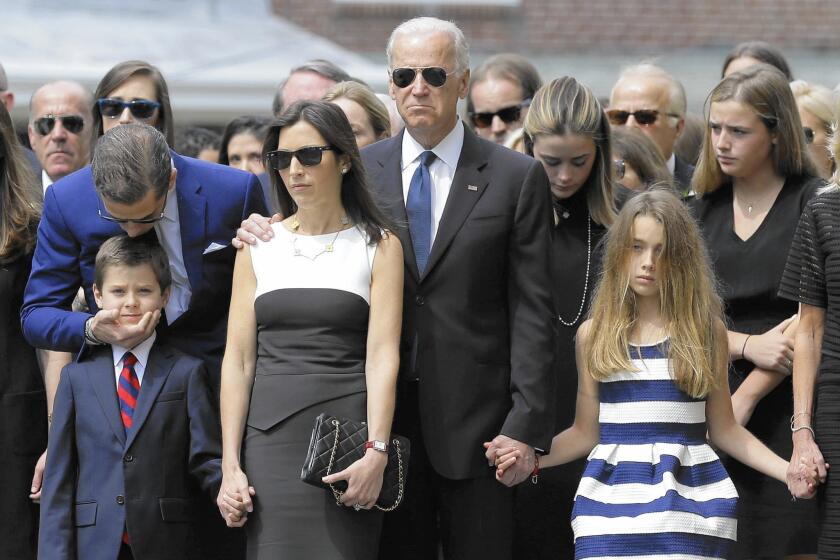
{"x":100,"y":479}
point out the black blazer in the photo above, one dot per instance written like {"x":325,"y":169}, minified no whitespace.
{"x":100,"y":479}
{"x":478,"y":325}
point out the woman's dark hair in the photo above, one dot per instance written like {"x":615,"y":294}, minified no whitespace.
{"x":639,"y":152}
{"x":120,"y":74}
{"x":762,"y":52}
{"x":332,"y":124}
{"x":248,"y":124}
{"x":20,"y":207}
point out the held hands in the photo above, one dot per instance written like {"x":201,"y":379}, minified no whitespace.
{"x":364,"y":480}
{"x":514,"y":460}
{"x":106,"y":327}
{"x":807,"y":468}
{"x":772,"y":350}
{"x":253,"y":227}
{"x":234,"y":499}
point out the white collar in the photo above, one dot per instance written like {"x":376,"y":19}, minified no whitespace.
{"x":671,"y":163}
{"x":45,"y":180}
{"x":141,"y":351}
{"x":448,"y":150}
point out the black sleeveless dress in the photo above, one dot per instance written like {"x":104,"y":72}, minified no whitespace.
{"x":312,"y":308}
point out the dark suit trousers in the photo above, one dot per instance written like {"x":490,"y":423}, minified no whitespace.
{"x":469,"y":519}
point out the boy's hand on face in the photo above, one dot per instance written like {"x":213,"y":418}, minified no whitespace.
{"x":107,"y":327}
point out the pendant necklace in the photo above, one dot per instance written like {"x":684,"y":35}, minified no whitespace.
{"x":586,"y":278}
{"x":328,"y":248}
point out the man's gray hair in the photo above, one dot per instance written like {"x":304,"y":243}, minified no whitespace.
{"x":676,"y":94}
{"x":4,"y":83}
{"x":319,"y":66}
{"x":429,"y":25}
{"x":130,"y":160}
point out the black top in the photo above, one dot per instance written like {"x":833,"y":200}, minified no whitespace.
{"x":568,"y":275}
{"x":749,"y":271}
{"x":812,"y":274}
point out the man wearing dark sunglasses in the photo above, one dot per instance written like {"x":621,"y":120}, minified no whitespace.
{"x":138,"y":186}
{"x":648,"y":98}
{"x":59,"y":128}
{"x":500,"y":93}
{"x":477,"y":330}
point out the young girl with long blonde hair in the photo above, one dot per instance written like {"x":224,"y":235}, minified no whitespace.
{"x":652,"y":361}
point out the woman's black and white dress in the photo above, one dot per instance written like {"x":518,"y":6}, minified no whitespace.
{"x":312,"y":305}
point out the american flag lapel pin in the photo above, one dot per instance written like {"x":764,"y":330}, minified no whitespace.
{"x":472,"y":188}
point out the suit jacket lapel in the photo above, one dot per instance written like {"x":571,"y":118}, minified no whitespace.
{"x":104,"y":381}
{"x":157,"y":370}
{"x":468,"y":184}
{"x":390,"y":180}
{"x":192,"y":209}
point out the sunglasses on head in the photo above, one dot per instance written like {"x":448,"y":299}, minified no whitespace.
{"x":620,"y":169}
{"x":152,"y":220}
{"x":507,"y":114}
{"x":308,"y":156}
{"x":644,"y":117}
{"x":809,"y":134}
{"x":112,"y":108}
{"x":71,"y":123}
{"x":435,"y":76}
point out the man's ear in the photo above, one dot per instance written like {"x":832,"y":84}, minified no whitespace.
{"x":680,"y":127}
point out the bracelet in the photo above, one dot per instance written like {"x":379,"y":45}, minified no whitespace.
{"x":809,"y":428}
{"x":795,"y":416}
{"x":744,"y":347}
{"x":535,"y":474}
{"x":91,"y":338}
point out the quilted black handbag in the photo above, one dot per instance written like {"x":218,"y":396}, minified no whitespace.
{"x":337,"y":443}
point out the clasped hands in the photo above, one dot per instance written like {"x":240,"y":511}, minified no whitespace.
{"x":807,"y":468}
{"x":514,"y":461}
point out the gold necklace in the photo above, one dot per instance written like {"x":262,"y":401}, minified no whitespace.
{"x":328,"y":248}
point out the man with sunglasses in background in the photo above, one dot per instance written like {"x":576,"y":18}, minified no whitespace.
{"x":500,"y":92}
{"x":648,"y":98}
{"x":59,"y":128}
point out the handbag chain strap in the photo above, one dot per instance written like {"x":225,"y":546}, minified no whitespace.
{"x":400,"y":478}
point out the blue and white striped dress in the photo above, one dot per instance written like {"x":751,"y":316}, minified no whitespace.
{"x":652,"y":487}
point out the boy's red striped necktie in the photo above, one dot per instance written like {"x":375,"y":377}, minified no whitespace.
{"x":128,"y":388}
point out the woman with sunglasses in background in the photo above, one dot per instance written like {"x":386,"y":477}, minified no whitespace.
{"x":753,"y":179}
{"x":23,"y":408}
{"x":638,"y":162}
{"x":314,"y":327}
{"x":368,"y":116}
{"x":816,"y":109}
{"x":567,"y":131}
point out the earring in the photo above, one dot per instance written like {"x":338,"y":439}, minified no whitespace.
{"x":344,"y":170}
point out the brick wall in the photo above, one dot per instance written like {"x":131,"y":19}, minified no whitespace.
{"x":546,"y":26}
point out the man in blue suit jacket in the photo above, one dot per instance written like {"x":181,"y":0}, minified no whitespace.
{"x":195,"y":213}
{"x":133,"y":430}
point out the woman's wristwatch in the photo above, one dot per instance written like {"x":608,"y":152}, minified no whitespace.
{"x":376,"y":445}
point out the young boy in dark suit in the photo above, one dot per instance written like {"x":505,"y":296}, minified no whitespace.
{"x":133,"y":430}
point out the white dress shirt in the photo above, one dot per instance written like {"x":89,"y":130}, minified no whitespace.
{"x":141,"y":352}
{"x":442,"y":170}
{"x":169,"y":236}
{"x":45,"y":180}
{"x":671,"y":164}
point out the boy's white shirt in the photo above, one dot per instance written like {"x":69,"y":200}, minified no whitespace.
{"x":141,"y":352}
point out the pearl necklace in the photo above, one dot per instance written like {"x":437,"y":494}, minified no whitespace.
{"x":586,"y":279}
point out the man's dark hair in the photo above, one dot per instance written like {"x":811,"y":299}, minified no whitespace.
{"x":323,"y":67}
{"x":129,"y":160}
{"x":122,"y":250}
{"x":192,"y":140}
{"x":507,"y":66}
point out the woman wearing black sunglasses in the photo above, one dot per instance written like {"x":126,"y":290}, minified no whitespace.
{"x":314,"y":327}
{"x":753,"y":180}
{"x":567,"y":131}
{"x":23,"y":409}
{"x":133,"y":91}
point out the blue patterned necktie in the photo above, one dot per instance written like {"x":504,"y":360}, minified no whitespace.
{"x":418,"y":206}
